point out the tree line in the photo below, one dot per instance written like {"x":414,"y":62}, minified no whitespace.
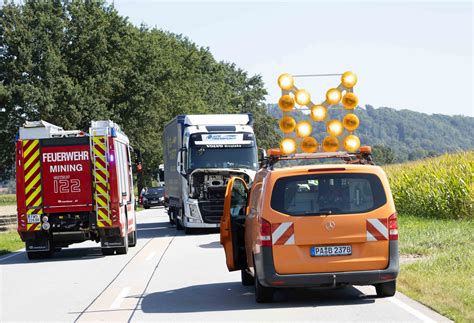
{"x":70,"y":62}
{"x":400,"y":135}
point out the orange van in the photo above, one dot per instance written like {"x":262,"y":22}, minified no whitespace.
{"x":317,"y":225}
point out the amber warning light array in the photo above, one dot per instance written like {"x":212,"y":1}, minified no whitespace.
{"x":298,"y":135}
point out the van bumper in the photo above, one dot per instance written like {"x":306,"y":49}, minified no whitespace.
{"x":268,"y":277}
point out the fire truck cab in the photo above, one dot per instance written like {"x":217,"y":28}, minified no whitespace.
{"x":74,"y":186}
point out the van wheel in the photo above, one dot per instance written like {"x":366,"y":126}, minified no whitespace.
{"x":386,"y":289}
{"x":132,"y":238}
{"x":123,"y":250}
{"x":246,"y":278}
{"x":108,"y":251}
{"x":262,"y":294}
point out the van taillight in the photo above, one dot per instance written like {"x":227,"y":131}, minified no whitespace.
{"x":393,"y":227}
{"x":265,"y":233}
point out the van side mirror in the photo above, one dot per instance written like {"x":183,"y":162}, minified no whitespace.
{"x":262,"y":155}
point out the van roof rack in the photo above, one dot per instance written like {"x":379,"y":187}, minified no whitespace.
{"x":361,"y":157}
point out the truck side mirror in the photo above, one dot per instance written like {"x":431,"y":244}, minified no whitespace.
{"x":180,"y":162}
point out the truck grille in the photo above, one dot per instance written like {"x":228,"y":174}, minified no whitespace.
{"x":211,"y":211}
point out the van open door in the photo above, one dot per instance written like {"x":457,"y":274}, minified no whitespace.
{"x":233,"y":223}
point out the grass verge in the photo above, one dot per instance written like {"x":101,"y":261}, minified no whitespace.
{"x":7,"y":199}
{"x":10,"y":241}
{"x":444,"y":277}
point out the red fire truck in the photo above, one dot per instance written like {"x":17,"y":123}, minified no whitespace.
{"x":74,"y":186}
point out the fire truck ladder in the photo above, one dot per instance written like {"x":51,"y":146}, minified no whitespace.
{"x":99,"y":144}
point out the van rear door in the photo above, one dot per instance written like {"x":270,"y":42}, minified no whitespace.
{"x":330,"y":221}
{"x":65,"y":162}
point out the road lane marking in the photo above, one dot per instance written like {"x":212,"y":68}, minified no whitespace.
{"x":118,"y":301}
{"x":410,"y":309}
{"x":150,"y":256}
{"x":111,"y":282}
{"x":10,"y":256}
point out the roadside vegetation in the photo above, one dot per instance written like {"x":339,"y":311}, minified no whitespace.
{"x":438,"y":188}
{"x":7,"y":199}
{"x":9,"y":242}
{"x":436,"y":223}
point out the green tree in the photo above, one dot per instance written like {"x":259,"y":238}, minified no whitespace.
{"x":72,"y":62}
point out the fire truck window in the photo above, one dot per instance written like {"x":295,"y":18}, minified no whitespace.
{"x":121,"y":169}
{"x":124,"y":171}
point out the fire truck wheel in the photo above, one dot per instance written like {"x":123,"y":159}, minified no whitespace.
{"x":108,"y":251}
{"x":39,"y":254}
{"x":123,"y":250}
{"x":132,"y":238}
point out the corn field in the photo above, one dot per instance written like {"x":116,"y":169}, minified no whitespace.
{"x":440,"y":187}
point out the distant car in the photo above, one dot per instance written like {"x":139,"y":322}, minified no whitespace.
{"x":153,"y":196}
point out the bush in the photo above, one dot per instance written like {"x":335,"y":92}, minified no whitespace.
{"x":438,"y":187}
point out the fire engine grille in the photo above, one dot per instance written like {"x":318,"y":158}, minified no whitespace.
{"x":211,"y":211}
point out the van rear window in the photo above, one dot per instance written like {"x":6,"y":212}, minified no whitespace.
{"x":320,"y":194}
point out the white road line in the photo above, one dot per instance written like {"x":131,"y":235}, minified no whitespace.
{"x":410,"y":309}
{"x":10,"y":256}
{"x":118,"y":301}
{"x":150,"y":256}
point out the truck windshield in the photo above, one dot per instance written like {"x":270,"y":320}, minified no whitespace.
{"x":216,"y":153}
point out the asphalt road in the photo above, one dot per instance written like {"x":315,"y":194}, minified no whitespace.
{"x":167,"y":277}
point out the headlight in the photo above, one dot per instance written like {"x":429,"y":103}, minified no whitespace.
{"x":193,"y":210}
{"x":145,"y":199}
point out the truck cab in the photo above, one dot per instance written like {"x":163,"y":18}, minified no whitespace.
{"x":201,"y":153}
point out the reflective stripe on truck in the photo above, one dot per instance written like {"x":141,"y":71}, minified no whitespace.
{"x":33,"y":194}
{"x":101,"y":181}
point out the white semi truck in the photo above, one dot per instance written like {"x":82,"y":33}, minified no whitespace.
{"x":201,"y":152}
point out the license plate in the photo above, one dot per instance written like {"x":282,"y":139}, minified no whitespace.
{"x":331,"y":251}
{"x":153,"y":202}
{"x":33,"y":218}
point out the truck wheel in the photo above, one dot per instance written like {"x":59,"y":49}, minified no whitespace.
{"x":178,"y":222}
{"x":108,"y":251}
{"x":246,"y":278}
{"x":132,"y":238}
{"x":386,"y":289}
{"x":171,"y":216}
{"x":123,"y":250}
{"x":262,"y":294}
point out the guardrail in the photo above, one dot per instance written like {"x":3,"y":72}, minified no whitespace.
{"x":8,"y":222}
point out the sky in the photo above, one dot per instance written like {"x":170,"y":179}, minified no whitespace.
{"x":407,"y":55}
